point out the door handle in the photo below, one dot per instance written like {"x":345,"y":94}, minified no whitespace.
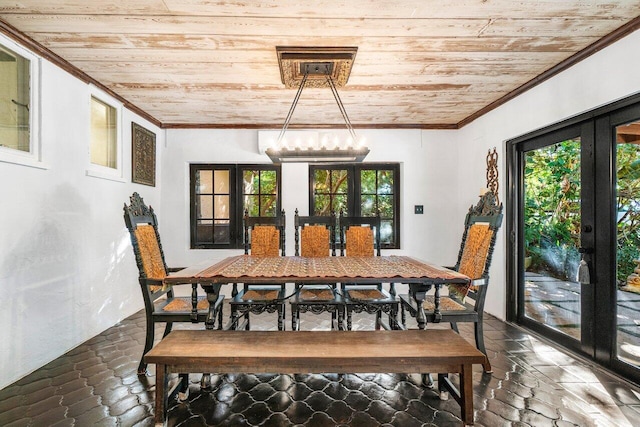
{"x":584,"y":271}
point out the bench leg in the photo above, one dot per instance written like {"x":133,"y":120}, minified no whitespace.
{"x":466,"y":394}
{"x":161,"y":394}
{"x":463,"y":394}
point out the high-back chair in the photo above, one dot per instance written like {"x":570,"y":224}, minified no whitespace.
{"x":161,"y":305}
{"x":474,"y":259}
{"x":315,"y":238}
{"x":360,"y":237}
{"x":263,"y":236}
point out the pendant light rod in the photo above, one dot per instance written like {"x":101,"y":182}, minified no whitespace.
{"x":293,"y":107}
{"x":341,"y":107}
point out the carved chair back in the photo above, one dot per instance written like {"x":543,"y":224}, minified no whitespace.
{"x":359,"y":235}
{"x":314,"y":235}
{"x":142,"y":223}
{"x":264,"y":235}
{"x":481,"y":226}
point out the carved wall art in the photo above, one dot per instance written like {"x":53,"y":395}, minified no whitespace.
{"x":143,"y":155}
{"x":492,"y":173}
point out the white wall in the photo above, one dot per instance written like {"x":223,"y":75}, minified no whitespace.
{"x":67,"y":270}
{"x":604,"y":77}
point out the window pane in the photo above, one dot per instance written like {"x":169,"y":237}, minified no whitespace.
{"x":204,"y":183}
{"x":368,"y":182}
{"x":385,"y":206}
{"x":221,"y":179}
{"x":204,"y":207}
{"x":386,"y":232}
{"x":321,"y":179}
{"x":321,"y":205}
{"x":339,"y":204}
{"x":14,"y":100}
{"x":204,"y":230}
{"x":268,"y":182}
{"x":252,"y":205}
{"x":267,"y":205}
{"x":221,"y":232}
{"x":103,"y":134}
{"x":251,"y":183}
{"x":385,"y":182}
{"x":339,"y":181}
{"x":368,"y":205}
{"x":221,"y":207}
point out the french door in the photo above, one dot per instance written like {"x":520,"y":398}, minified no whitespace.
{"x":574,"y":223}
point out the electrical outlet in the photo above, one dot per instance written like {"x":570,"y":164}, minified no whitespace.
{"x":418,"y":209}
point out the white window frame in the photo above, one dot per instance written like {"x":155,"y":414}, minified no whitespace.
{"x":33,"y":157}
{"x":99,"y":171}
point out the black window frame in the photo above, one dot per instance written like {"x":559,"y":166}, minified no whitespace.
{"x":354,"y":191}
{"x":236,"y":201}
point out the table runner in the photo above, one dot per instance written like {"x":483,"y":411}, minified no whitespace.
{"x":383,"y":267}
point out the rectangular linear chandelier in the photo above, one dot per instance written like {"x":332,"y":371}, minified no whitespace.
{"x":316,"y":67}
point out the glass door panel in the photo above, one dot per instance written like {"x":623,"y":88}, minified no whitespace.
{"x":552,"y":217}
{"x":628,"y":242}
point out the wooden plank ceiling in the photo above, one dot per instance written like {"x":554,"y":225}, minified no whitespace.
{"x":424,"y":64}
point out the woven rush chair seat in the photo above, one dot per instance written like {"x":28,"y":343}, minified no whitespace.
{"x":366,"y":294}
{"x":317,"y":294}
{"x":183,"y":304}
{"x":315,"y":238}
{"x":360,"y":237}
{"x":446,"y":304}
{"x":265,"y":237}
{"x":465,"y":303}
{"x":260,"y":295}
{"x":161,"y":305}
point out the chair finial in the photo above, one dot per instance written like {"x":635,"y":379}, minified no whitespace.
{"x":137,"y":206}
{"x":486,"y":206}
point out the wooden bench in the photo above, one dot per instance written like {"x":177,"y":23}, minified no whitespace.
{"x":294,"y":352}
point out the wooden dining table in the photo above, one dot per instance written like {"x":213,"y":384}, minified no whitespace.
{"x":421,"y":276}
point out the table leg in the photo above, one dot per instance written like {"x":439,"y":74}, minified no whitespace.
{"x":437,"y":316}
{"x":194,"y":303}
{"x":418,"y":292}
{"x":212,"y":290}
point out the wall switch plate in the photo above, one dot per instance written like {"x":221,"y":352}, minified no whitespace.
{"x":418,"y":209}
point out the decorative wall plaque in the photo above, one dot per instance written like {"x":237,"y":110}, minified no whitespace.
{"x":143,"y":155}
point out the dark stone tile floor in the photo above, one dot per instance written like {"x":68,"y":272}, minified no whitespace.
{"x":533,"y":384}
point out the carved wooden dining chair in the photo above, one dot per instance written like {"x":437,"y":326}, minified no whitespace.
{"x":315,"y":238}
{"x":161,"y":305}
{"x":474,"y":259}
{"x":360,"y":237}
{"x":263,"y":236}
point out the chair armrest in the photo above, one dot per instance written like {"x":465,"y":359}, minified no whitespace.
{"x":153,"y":282}
{"x":480,"y":282}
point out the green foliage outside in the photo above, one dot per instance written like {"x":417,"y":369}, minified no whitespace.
{"x":628,"y":208}
{"x":259,"y":192}
{"x":376,"y":195}
{"x":552,"y":209}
